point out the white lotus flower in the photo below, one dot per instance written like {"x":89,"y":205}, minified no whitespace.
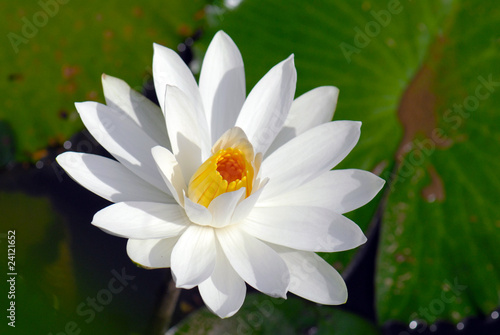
{"x":226,"y":190}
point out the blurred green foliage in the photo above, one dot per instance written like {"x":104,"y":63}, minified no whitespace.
{"x":56,"y":50}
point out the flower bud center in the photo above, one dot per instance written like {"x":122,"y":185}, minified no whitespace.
{"x":226,"y":171}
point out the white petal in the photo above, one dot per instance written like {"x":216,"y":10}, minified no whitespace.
{"x":244,"y":207}
{"x":140,"y":109}
{"x":224,"y":291}
{"x":123,"y":139}
{"x":308,"y":111}
{"x":312,"y":278}
{"x":308,"y":155}
{"x":109,"y":179}
{"x":267,"y":105}
{"x":197,"y":213}
{"x":222,"y":207}
{"x":339,"y":190}
{"x":222,"y":84}
{"x":151,"y":253}
{"x":234,"y":138}
{"x":142,"y":220}
{"x":303,"y":228}
{"x":188,"y":135}
{"x":170,"y":69}
{"x":254,"y":261}
{"x":193,"y":257}
{"x":171,"y":173}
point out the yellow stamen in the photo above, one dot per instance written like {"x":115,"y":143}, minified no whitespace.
{"x":227,"y":170}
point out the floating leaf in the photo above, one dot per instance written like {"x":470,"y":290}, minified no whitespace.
{"x":401,"y":67}
{"x":57,"y":51}
{"x":261,"y":315}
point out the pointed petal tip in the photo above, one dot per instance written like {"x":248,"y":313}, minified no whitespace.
{"x":221,"y":34}
{"x":185,"y":286}
{"x":222,"y":316}
{"x":222,"y":37}
{"x":80,"y":105}
{"x":362,"y":239}
{"x":158,"y":48}
{"x":328,"y":90}
{"x":107,"y":78}
{"x":355,"y":126}
{"x":171,"y":87}
{"x":67,"y":159}
{"x":161,"y":48}
{"x":282,"y":295}
{"x":155,"y":47}
{"x":290,"y":60}
{"x":156,"y":150}
{"x":380,"y":183}
{"x":331,"y":90}
{"x":288,"y":64}
{"x":341,"y":298}
{"x":223,"y":313}
{"x":180,"y":284}
{"x":61,"y":157}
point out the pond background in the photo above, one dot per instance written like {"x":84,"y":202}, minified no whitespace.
{"x":422,"y":76}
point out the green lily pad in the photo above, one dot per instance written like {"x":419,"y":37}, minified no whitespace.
{"x":401,"y":67}
{"x":442,"y":222}
{"x":262,"y":315}
{"x":57,"y":50}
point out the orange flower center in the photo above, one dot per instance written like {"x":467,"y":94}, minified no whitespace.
{"x":226,"y":171}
